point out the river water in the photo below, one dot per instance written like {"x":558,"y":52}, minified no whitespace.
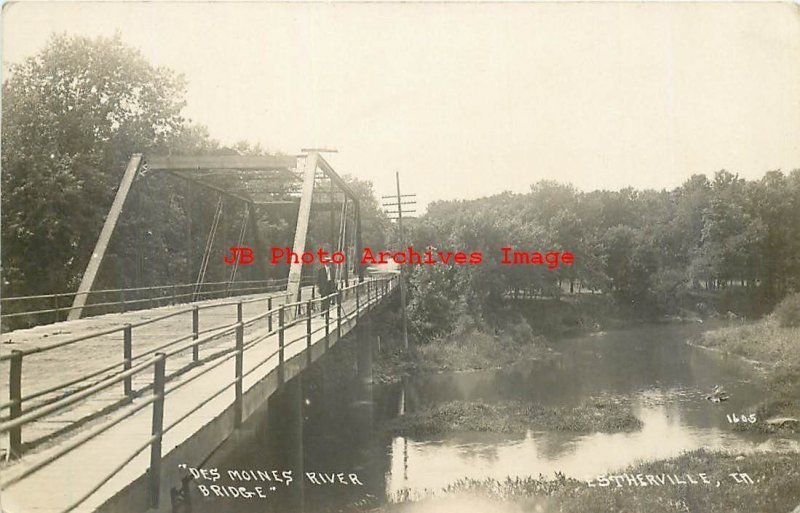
{"x":341,"y":421}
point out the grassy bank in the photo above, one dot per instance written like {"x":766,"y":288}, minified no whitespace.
{"x":603,"y":414}
{"x":765,"y":341}
{"x":775,"y":489}
{"x":777,"y":348}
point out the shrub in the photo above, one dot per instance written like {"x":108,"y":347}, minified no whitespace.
{"x":788,"y":311}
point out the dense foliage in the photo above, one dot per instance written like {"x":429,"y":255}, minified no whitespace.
{"x":72,"y":116}
{"x":74,"y":113}
{"x":654,"y":252}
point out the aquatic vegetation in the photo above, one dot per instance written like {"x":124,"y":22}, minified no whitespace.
{"x":595,"y":414}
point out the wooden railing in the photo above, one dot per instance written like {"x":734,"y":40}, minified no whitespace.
{"x":367,"y":294}
{"x":26,"y":311}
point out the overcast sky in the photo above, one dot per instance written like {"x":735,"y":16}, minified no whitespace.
{"x":467,"y":100}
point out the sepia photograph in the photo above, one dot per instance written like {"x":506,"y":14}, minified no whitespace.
{"x":399,"y":257}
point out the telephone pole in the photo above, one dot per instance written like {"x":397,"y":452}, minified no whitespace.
{"x":399,"y":213}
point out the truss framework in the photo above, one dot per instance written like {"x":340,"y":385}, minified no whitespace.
{"x":257,"y":181}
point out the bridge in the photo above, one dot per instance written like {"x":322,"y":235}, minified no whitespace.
{"x":114,"y":393}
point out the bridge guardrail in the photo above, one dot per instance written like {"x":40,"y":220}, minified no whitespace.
{"x":288,"y":314}
{"x":15,"y":372}
{"x":49,"y":308}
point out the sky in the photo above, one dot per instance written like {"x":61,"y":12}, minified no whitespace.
{"x":467,"y":100}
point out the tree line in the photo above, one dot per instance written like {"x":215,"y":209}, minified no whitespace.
{"x":653,"y":252}
{"x":73,"y":114}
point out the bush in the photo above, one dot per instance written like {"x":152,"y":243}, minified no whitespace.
{"x":788,"y":311}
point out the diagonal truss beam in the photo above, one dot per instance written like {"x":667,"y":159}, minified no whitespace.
{"x":193,"y":169}
{"x":301,"y":230}
{"x":100,"y":247}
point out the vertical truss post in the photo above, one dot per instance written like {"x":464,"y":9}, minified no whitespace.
{"x":332,"y":218}
{"x":189,"y":231}
{"x":359,"y":243}
{"x":303,"y":214}
{"x":344,"y":245}
{"x":99,"y":251}
{"x":260,"y":248}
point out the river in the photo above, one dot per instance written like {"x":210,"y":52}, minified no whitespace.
{"x":341,"y":421}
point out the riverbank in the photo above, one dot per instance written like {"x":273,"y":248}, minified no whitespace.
{"x":525,"y":330}
{"x":687,"y":483}
{"x":472,"y":350}
{"x":775,"y":348}
{"x":596,"y":414}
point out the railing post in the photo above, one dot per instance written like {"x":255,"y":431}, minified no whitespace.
{"x":339,"y":315}
{"x":195,"y":332}
{"x":308,"y":331}
{"x":158,"y":426}
{"x":281,"y":340}
{"x":127,"y":357}
{"x":269,"y":315}
{"x":358,"y":300}
{"x":327,"y":329}
{"x":313,"y":293}
{"x":239,"y":311}
{"x":15,"y":396}
{"x":237,"y":408}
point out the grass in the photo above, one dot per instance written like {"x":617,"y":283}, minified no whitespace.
{"x":776,"y":489}
{"x":777,"y":347}
{"x":765,"y":341}
{"x":602,"y":414}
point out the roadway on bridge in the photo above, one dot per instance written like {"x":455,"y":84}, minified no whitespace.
{"x":70,"y":362}
{"x":78,"y":471}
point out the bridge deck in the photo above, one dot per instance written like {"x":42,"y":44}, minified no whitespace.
{"x":78,"y":471}
{"x":76,"y":360}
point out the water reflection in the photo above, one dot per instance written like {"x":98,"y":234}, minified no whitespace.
{"x":331,"y":420}
{"x":667,"y":379}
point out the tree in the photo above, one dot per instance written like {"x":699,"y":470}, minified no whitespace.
{"x":72,"y":116}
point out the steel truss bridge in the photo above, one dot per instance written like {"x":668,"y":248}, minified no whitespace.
{"x":122,"y":385}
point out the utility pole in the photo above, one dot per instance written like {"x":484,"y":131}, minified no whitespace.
{"x":399,"y":213}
